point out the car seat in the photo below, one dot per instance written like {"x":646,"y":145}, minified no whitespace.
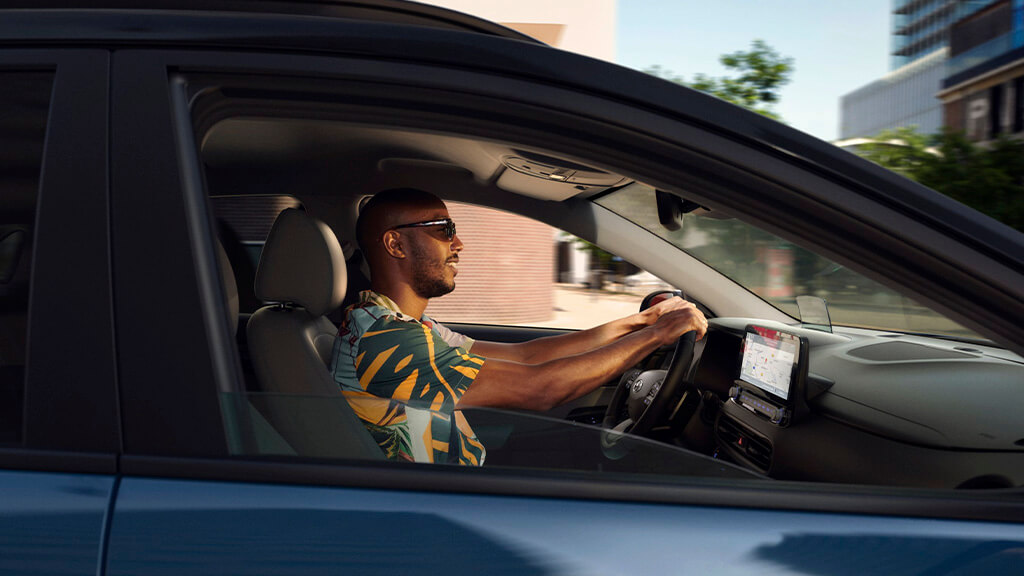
{"x":302,"y":275}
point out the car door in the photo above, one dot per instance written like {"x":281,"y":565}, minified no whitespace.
{"x":59,"y":424}
{"x":195,"y":497}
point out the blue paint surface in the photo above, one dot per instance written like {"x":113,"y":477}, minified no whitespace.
{"x":192,"y":527}
{"x":51,"y":523}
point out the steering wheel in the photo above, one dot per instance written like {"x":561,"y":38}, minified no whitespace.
{"x":645,"y":394}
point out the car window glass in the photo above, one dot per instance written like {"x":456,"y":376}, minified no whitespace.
{"x":243,"y":223}
{"x":24,"y":107}
{"x":857,"y":390}
{"x":512,"y":439}
{"x":517,"y":271}
{"x":779,"y":271}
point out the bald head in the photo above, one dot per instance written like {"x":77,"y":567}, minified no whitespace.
{"x":410,"y":261}
{"x":388,"y":209}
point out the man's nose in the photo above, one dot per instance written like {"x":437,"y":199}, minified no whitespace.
{"x":457,"y":244}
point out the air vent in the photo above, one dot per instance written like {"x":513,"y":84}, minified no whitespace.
{"x":753,"y":448}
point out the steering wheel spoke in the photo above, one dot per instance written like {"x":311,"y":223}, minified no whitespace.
{"x":623,"y":427}
{"x":646,"y":397}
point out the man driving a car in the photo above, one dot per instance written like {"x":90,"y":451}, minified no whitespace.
{"x":407,"y":376}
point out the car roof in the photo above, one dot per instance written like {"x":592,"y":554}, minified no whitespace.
{"x":384,"y":11}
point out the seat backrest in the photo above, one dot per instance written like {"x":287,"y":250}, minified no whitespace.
{"x":227,"y":276}
{"x":302,"y":273}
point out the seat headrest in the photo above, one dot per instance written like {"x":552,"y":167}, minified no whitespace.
{"x":302,"y":264}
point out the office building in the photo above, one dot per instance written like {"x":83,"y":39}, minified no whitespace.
{"x":921,"y":27}
{"x":906,"y":96}
{"x":903,"y":97}
{"x":983,"y":92}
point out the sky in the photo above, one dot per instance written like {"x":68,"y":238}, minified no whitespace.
{"x":837,"y":46}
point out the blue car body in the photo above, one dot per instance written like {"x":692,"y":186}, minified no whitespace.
{"x":123,"y":460}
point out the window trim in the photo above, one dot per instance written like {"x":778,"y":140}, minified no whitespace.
{"x":74,"y":385}
{"x":168,"y":384}
{"x":755,"y":494}
{"x":26,"y":459}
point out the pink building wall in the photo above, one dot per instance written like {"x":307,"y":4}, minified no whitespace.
{"x":506,"y":270}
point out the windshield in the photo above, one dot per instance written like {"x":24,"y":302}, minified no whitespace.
{"x":779,"y":271}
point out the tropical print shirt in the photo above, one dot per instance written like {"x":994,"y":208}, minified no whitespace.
{"x":403,"y":377}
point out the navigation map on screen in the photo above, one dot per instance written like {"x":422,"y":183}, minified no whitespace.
{"x":768,"y":358}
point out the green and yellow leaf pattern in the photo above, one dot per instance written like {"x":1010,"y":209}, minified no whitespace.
{"x":399,"y":374}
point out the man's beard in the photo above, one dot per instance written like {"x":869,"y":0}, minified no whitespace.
{"x":429,"y":275}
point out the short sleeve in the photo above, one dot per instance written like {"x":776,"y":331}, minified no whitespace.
{"x":453,"y":339}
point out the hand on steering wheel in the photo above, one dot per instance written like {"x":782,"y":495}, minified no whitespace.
{"x":646,"y":395}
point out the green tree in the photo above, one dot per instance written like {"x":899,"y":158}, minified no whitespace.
{"x":988,"y":178}
{"x":600,"y":259}
{"x":758,"y":76}
{"x":903,"y":150}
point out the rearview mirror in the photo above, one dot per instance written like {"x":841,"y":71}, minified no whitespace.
{"x":672,"y":208}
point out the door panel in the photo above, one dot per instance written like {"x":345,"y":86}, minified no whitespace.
{"x":194,"y":527}
{"x":52,"y":523}
{"x":59,"y":424}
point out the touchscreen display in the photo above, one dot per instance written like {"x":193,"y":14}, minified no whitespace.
{"x":769,"y":357}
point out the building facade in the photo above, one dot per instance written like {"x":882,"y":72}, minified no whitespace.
{"x":983,"y":92}
{"x":509,"y":269}
{"x":906,"y":96}
{"x":903,"y":97}
{"x":921,"y":27}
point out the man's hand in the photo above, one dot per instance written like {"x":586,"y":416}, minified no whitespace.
{"x":665,"y":303}
{"x":567,"y":376}
{"x":553,"y":347}
{"x":679,"y":318}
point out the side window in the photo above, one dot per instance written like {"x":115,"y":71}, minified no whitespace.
{"x":517,"y":271}
{"x":24,"y":106}
{"x":306,"y":386}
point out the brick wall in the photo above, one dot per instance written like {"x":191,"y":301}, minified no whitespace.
{"x":506,"y":270}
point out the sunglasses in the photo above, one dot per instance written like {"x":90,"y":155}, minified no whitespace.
{"x":448,"y":223}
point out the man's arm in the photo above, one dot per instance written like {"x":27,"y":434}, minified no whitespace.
{"x":508,"y":384}
{"x":552,"y":347}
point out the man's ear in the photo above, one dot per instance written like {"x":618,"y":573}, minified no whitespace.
{"x":393,"y":244}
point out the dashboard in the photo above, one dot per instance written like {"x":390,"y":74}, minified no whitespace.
{"x":875,"y":408}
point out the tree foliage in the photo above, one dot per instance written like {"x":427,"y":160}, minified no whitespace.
{"x":758,"y":75}
{"x":988,"y":178}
